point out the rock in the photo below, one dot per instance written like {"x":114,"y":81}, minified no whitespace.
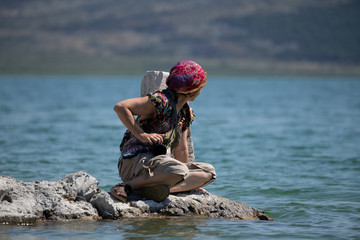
{"x":77,"y":196}
{"x":84,"y":185}
{"x":61,"y":200}
{"x":152,"y":81}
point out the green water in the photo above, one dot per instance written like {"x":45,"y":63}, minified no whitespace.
{"x":288,"y":146}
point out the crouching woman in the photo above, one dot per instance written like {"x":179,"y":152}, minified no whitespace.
{"x":154,"y":157}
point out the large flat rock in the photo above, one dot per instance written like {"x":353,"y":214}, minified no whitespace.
{"x":77,"y":196}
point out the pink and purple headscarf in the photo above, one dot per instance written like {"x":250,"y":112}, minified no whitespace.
{"x":186,"y":77}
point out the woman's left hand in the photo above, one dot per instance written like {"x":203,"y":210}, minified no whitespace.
{"x":151,"y":138}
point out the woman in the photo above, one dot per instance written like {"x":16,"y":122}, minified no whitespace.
{"x":162,"y":123}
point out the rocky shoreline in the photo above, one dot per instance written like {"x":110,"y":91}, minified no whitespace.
{"x":77,"y":196}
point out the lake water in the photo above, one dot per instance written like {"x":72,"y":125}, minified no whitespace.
{"x":288,"y":146}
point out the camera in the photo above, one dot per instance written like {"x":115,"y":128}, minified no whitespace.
{"x":159,"y":149}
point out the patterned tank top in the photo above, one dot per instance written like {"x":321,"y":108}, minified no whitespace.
{"x":162,"y":123}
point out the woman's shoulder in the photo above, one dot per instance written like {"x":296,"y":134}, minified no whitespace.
{"x":162,"y":98}
{"x":165,"y":95}
{"x":157,"y":96}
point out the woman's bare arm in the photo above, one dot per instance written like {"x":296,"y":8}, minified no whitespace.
{"x":142,"y":107}
{"x":181,"y":152}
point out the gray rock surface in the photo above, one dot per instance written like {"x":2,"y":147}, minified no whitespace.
{"x":61,"y":200}
{"x":153,"y":80}
{"x":77,"y":196}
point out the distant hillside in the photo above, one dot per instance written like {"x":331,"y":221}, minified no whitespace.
{"x":227,"y":36}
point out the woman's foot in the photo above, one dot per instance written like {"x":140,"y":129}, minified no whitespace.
{"x":121,"y":191}
{"x":203,"y":190}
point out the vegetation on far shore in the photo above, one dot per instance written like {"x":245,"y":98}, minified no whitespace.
{"x":227,"y":37}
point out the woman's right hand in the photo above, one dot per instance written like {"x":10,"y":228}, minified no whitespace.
{"x":151,"y":138}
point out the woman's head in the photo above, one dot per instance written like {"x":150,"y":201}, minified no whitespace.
{"x":186,"y":77}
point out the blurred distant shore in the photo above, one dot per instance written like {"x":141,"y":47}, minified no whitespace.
{"x":214,"y":67}
{"x":228,"y":37}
